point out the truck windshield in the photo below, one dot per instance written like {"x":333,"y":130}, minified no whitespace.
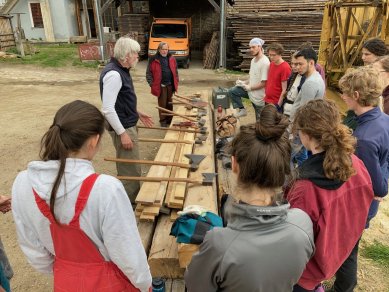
{"x":168,"y":31}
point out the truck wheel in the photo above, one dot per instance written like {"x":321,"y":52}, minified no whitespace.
{"x":185,"y":65}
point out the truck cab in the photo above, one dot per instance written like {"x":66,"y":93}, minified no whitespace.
{"x":176,"y":32}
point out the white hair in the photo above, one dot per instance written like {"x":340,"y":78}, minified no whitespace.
{"x":125,"y":46}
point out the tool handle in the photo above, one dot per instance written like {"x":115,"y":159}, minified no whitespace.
{"x":135,"y":161}
{"x":183,"y":97}
{"x":170,"y":129}
{"x":159,"y":179}
{"x":171,"y":112}
{"x":185,"y":102}
{"x":165,"y":141}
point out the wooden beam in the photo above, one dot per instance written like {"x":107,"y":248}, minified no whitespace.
{"x":341,"y":37}
{"x":214,"y":4}
{"x":163,"y":256}
{"x":47,"y":22}
{"x":105,"y":6}
{"x":205,"y":196}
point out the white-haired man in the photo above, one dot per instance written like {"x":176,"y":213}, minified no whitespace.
{"x":120,"y":109}
{"x":254,"y":87}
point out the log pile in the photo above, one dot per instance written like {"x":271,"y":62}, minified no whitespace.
{"x":135,"y":25}
{"x":287,"y":22}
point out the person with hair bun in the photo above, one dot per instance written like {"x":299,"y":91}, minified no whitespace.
{"x":332,"y":186}
{"x":73,"y":222}
{"x":266,"y":244}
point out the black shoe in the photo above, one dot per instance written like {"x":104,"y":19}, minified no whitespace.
{"x":164,"y":125}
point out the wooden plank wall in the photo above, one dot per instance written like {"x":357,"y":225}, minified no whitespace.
{"x":7,"y":38}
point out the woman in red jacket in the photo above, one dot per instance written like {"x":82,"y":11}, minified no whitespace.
{"x":162,"y":76}
{"x":333,"y":187}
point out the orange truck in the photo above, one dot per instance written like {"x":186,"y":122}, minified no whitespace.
{"x":176,"y":32}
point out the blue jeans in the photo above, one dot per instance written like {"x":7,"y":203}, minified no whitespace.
{"x":236,"y":94}
{"x":299,"y":152}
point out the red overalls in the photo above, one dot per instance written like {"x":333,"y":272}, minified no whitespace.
{"x":78,"y":264}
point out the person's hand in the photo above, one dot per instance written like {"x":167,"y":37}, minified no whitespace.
{"x":5,"y":204}
{"x":239,"y":82}
{"x":379,"y":199}
{"x":126,"y":141}
{"x":246,"y":87}
{"x":146,"y":119}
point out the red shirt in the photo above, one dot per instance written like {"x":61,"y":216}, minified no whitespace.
{"x":338,"y":217}
{"x":277,"y":74}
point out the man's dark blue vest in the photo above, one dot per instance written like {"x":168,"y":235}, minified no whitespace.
{"x":126,"y":103}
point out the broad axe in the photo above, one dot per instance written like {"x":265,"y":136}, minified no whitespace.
{"x":201,"y":121}
{"x":207,"y":179}
{"x":194,"y":161}
{"x":199,"y":131}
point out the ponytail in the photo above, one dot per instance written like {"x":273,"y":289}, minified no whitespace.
{"x":320,"y":119}
{"x":73,"y":125}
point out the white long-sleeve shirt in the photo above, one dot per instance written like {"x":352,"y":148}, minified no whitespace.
{"x":112,"y":83}
{"x":108,"y":219}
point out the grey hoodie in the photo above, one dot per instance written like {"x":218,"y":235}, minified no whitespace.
{"x":261,"y":249}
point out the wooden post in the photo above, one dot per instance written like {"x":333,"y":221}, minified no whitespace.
{"x":19,"y":33}
{"x":86,"y":16}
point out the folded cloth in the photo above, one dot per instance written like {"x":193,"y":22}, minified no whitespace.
{"x":191,"y":227}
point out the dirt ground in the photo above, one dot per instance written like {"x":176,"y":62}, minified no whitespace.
{"x":29,"y":97}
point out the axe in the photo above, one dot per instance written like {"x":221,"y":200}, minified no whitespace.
{"x":199,"y":131}
{"x":207,"y":179}
{"x":201,"y":122}
{"x":196,"y":104}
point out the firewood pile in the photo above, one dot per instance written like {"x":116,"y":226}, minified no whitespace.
{"x":211,"y":52}
{"x":287,"y":22}
{"x":135,"y":25}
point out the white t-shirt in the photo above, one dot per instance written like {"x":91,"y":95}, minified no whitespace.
{"x":258,"y":73}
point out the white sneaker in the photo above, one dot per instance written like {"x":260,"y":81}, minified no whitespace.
{"x":240,"y":112}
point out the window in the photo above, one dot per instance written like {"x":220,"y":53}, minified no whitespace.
{"x":168,"y":31}
{"x":36,"y":15}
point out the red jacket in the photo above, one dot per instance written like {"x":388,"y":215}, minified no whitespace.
{"x":338,"y":213}
{"x":154,"y":74}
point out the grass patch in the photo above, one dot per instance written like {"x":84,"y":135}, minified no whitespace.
{"x":58,"y":55}
{"x":378,"y":252}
